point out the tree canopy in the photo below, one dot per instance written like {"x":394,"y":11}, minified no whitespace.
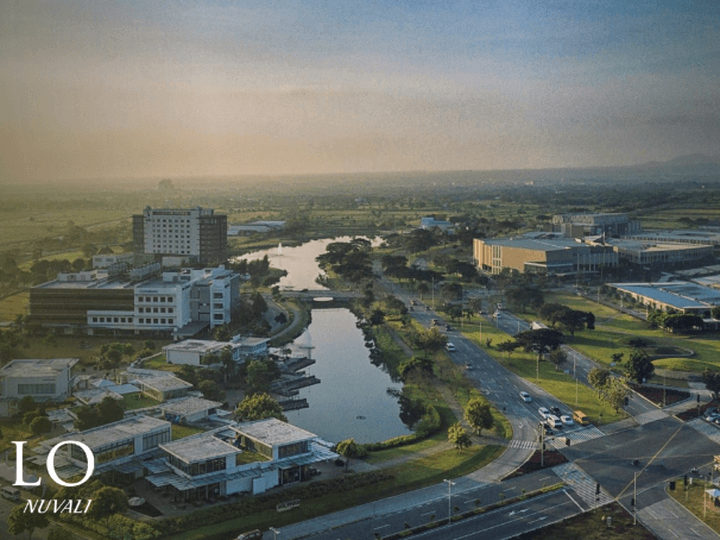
{"x":459,"y":437}
{"x":639,"y":368}
{"x":540,"y":341}
{"x":478,"y":415}
{"x":711,"y":378}
{"x":258,"y":407}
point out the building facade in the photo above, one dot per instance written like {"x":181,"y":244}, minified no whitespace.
{"x":180,"y":302}
{"x":609,"y":225}
{"x":42,"y":380}
{"x":542,"y":253}
{"x":196,"y":233}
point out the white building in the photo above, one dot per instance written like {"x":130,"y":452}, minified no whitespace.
{"x":194,"y":351}
{"x":251,"y":457}
{"x":197,"y":233}
{"x":43,"y":380}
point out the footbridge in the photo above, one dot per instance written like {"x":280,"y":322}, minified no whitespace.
{"x":323,"y":297}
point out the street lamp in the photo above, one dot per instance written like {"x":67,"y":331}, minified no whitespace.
{"x":275,"y":532}
{"x":450,"y":484}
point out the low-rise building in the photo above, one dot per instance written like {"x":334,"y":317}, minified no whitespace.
{"x":195,"y":352}
{"x":649,"y":253}
{"x":42,"y":380}
{"x":251,"y":457}
{"x":163,"y":388}
{"x":588,"y":224}
{"x":543,"y":253}
{"x":679,"y":296}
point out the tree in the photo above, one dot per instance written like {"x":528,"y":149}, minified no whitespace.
{"x":711,"y":379}
{"x":557,"y":357}
{"x":106,"y":502}
{"x":615,"y":392}
{"x":598,"y":378}
{"x":20,"y":521}
{"x":260,"y":373}
{"x":211,"y":391}
{"x":639,"y":368}
{"x":258,"y":407}
{"x":540,"y":341}
{"x":40,"y":425}
{"x":430,"y":340}
{"x":349,"y":449}
{"x":417,"y":364}
{"x":58,"y":533}
{"x":478,"y":415}
{"x":377,"y":317}
{"x":459,"y":437}
{"x":525,"y":295}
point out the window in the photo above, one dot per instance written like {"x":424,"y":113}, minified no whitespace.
{"x":31,"y":389}
{"x":95,"y":319}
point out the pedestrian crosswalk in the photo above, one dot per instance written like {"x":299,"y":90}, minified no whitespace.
{"x":582,"y":484}
{"x":576,"y":437}
{"x":650,"y":416}
{"x":527,"y":445}
{"x":706,"y":428}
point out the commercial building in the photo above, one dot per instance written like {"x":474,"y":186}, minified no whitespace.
{"x":250,"y":457}
{"x":543,"y":253}
{"x":430,"y":222}
{"x":685,"y":236}
{"x":194,"y":351}
{"x":649,"y":253}
{"x":180,"y":303}
{"x":682,"y":297}
{"x":586,"y":224}
{"x":196,"y":233}
{"x":42,"y":380}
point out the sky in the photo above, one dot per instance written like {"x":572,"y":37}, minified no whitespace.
{"x":177,"y":89}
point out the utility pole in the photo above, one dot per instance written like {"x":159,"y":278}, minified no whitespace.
{"x":450,"y":484}
{"x":542,"y":444}
{"x":575,"y":377}
{"x":634,"y":501}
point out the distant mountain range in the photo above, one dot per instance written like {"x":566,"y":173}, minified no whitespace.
{"x":683,"y":161}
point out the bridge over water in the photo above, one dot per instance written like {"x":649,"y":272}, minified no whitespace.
{"x":323,"y":297}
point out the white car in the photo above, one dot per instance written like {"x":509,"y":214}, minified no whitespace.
{"x":554,"y":421}
{"x":567,"y":420}
{"x":712,"y":416}
{"x":525,"y":397}
{"x":544,"y":412}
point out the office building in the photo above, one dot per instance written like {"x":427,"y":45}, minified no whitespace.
{"x":197,"y":234}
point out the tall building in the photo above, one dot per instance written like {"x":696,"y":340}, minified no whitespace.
{"x":196,"y":233}
{"x":580,"y":225}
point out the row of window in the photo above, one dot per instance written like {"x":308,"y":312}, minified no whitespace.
{"x":155,"y":310}
{"x":195,"y":469}
{"x":155,"y":299}
{"x":156,"y":321}
{"x":112,"y":319}
{"x":34,"y":389}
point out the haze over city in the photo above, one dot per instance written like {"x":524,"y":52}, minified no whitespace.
{"x":97,"y":90}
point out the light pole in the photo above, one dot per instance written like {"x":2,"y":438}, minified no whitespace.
{"x":575,"y":377}
{"x":450,"y":484}
{"x":542,"y":444}
{"x":275,"y":532}
{"x":634,"y":501}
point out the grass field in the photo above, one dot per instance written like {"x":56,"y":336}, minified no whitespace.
{"x":12,"y":306}
{"x":696,"y":501}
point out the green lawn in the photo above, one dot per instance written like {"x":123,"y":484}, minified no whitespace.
{"x":694,"y":499}
{"x":557,"y":383}
{"x":12,"y":306}
{"x":139,"y":401}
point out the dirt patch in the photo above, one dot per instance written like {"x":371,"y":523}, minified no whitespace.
{"x":656,"y":394}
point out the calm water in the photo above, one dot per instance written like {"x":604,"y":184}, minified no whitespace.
{"x":351,"y":386}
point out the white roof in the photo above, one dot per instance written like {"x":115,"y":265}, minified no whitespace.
{"x":273,"y":432}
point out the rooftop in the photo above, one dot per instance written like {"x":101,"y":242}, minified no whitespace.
{"x":188,"y":405}
{"x":199,"y":447}
{"x":121,"y":430}
{"x":273,"y":432}
{"x":196,"y":345}
{"x":165,"y":383}
{"x":49,"y":367}
{"x":678,"y":294}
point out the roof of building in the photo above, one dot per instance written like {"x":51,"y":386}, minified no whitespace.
{"x":273,"y":432}
{"x":188,"y":405}
{"x":680,"y":294}
{"x":549,"y":242}
{"x":649,"y":246}
{"x":198,"y":346}
{"x":200,"y":447}
{"x":165,"y":383}
{"x":118,"y":431}
{"x":682,"y":235}
{"x":27,"y":367}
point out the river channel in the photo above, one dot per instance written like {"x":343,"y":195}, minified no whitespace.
{"x":351,"y":399}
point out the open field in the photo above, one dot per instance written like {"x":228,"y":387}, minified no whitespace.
{"x":14,"y":305}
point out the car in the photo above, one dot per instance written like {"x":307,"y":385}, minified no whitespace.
{"x":567,"y":420}
{"x":448,"y":328}
{"x":548,"y":429}
{"x":250,"y":535}
{"x":554,"y":421}
{"x":434,"y":322}
{"x":525,"y":397}
{"x":450,"y":346}
{"x":544,"y":412}
{"x":413,"y":302}
{"x":469,"y":367}
{"x":712,"y":416}
{"x":556,"y":411}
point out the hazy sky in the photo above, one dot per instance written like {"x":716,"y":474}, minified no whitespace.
{"x":141,"y":89}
